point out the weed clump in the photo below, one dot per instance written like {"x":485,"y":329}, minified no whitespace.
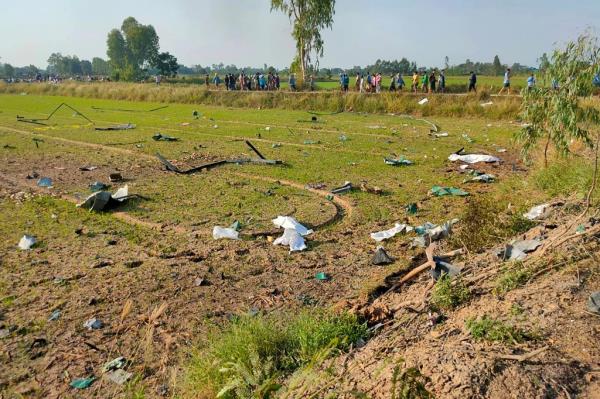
{"x":447,"y":295}
{"x":489,"y":329}
{"x":409,"y":384}
{"x":512,"y":278}
{"x":484,"y":223}
{"x":252,"y":354}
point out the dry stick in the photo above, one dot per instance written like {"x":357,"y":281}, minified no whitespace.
{"x":430,"y":264}
{"x":522,"y":358}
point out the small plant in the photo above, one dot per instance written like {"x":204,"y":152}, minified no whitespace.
{"x":409,"y":384}
{"x":512,"y":278}
{"x":448,"y":294}
{"x":489,"y":329}
{"x":248,"y":358}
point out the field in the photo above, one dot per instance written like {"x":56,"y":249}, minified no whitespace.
{"x":152,"y":272}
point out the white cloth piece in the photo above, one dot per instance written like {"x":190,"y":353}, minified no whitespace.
{"x":397,"y":229}
{"x":473,"y":158}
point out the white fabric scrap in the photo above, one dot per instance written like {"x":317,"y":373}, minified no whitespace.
{"x":288,"y":222}
{"x":537,"y":212}
{"x":27,"y":242}
{"x":225,"y":232}
{"x":423,"y":101}
{"x":397,"y":229}
{"x":473,"y":158}
{"x":292,"y":238}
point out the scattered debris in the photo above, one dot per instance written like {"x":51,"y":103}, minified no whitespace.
{"x":371,"y":190}
{"x":438,"y":135}
{"x":501,"y":150}
{"x":467,"y":138}
{"x":439,"y":191}
{"x":397,"y":162}
{"x":54,"y":316}
{"x":443,"y":268}
{"x":225,"y":233}
{"x":114,"y":364}
{"x":130,"y":110}
{"x":97,"y":186}
{"x":397,"y":229}
{"x":481,"y":178}
{"x":537,"y":212}
{"x":103,"y":200}
{"x":518,"y":250}
{"x":343,"y":138}
{"x":381,"y":257}
{"x":163,"y":137}
{"x":93,"y":324}
{"x":322,"y":276}
{"x":293,"y":234}
{"x":316,"y":186}
{"x":45,"y":182}
{"x":276,"y":145}
{"x":119,"y":376}
{"x":347,"y":187}
{"x":430,"y":232}
{"x":201,"y":282}
{"x":423,"y":101}
{"x":132,"y":264}
{"x":40,"y":121}
{"x":88,"y":168}
{"x":82,"y":383}
{"x":249,"y":144}
{"x":32,"y":175}
{"x":308,"y":142}
{"x":487,"y":104}
{"x":115,"y":177}
{"x":127,"y":126}
{"x":473,"y":158}
{"x":593,"y":304}
{"x":411,"y":209}
{"x":27,"y":242}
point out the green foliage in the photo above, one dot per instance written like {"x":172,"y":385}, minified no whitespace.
{"x":166,"y":64}
{"x":557,"y":115}
{"x":132,"y":49}
{"x":409,"y":384}
{"x":512,"y":277}
{"x":489,"y":329}
{"x":248,"y":358}
{"x":448,"y":295}
{"x":308,"y":18}
{"x":565,"y":177}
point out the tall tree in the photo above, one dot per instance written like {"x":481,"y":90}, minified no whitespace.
{"x":9,"y":71}
{"x":497,"y":65}
{"x":132,"y":49}
{"x":100,"y":66}
{"x":308,"y":18}
{"x":166,"y":64}
{"x":559,"y":116}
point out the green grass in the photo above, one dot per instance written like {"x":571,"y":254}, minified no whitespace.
{"x":494,"y":330}
{"x":252,"y":354}
{"x":513,"y":276}
{"x":448,"y":294}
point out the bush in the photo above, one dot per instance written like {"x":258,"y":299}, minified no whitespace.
{"x":495,"y":330}
{"x":447,"y":295}
{"x":512,"y":278}
{"x":250,"y":355}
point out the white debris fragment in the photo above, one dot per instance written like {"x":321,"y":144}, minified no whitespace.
{"x":397,"y":229}
{"x":27,"y":242}
{"x":225,"y":232}
{"x":293,"y":234}
{"x":288,"y":222}
{"x":537,"y":212}
{"x":473,"y":158}
{"x":423,"y":101}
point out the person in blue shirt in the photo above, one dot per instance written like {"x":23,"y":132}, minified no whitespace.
{"x":531,"y":82}
{"x":346,"y":82}
{"x":400,"y":82}
{"x":555,"y":85}
{"x":506,"y":82}
{"x":292,"y":82}
{"x":369,"y":82}
{"x":217,"y":80}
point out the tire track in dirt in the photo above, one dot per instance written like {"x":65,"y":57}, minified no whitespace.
{"x":344,"y":208}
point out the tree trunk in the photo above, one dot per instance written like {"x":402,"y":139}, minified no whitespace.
{"x":546,"y":152}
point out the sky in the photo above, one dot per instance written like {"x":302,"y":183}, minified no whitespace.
{"x":247,"y":33}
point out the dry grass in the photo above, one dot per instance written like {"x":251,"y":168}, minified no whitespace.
{"x":441,"y":105}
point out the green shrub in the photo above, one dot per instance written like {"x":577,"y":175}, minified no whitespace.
{"x":565,"y":177}
{"x":250,"y":355}
{"x":447,"y":295}
{"x":489,"y":329}
{"x":512,"y":277}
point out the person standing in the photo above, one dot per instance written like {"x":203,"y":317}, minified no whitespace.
{"x":206,"y":81}
{"x":277,"y":82}
{"x":442,"y":81}
{"x":346,"y":82}
{"x":369,"y":82}
{"x":217,"y":80}
{"x":292,"y":82}
{"x":531,"y":81}
{"x":357,"y":83}
{"x":473,"y":82}
{"x":506,"y":82}
{"x":392,"y":83}
{"x":361,"y":85}
{"x":400,"y":82}
{"x":425,"y":82}
{"x":158,"y":79}
{"x":227,"y":87}
{"x":415,"y":82}
{"x":432,"y":81}
{"x":311,"y":83}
